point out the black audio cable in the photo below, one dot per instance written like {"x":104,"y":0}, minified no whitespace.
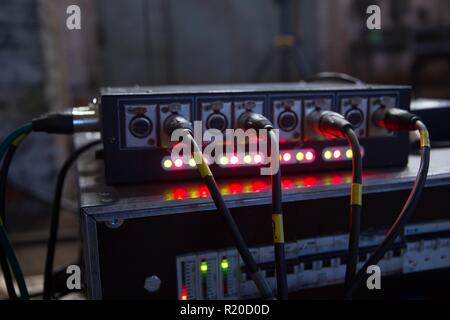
{"x":9,"y":282}
{"x":81,"y":119}
{"x":176,"y":122}
{"x":16,"y":137}
{"x":398,"y":120}
{"x":259,"y":122}
{"x":334,"y":125}
{"x":356,"y":205}
{"x":55,"y":214}
{"x":335,"y":76}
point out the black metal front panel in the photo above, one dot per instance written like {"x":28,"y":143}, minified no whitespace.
{"x":140,"y":164}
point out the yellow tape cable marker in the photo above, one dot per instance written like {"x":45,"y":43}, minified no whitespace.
{"x":19,"y":140}
{"x":277,"y":226}
{"x":203,"y":167}
{"x":424,"y":139}
{"x":356,"y":194}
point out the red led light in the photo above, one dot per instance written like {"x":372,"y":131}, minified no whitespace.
{"x":258,"y":186}
{"x":183,"y":294}
{"x":203,"y":192}
{"x":287,"y":183}
{"x":178,"y":163}
{"x":309,"y":156}
{"x":336,"y":180}
{"x":234,"y":160}
{"x":337,"y":154}
{"x":309,"y":182}
{"x":287,"y":157}
{"x":257,"y":158}
{"x":235,"y":188}
{"x":180,"y":193}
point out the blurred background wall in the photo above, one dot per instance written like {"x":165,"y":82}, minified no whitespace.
{"x":44,"y":66}
{"x":201,"y":41}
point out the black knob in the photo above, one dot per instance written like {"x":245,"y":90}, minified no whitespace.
{"x":141,"y":127}
{"x":287,"y":121}
{"x":217,"y":121}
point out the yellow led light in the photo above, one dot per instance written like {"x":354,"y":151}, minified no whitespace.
{"x":192,"y":162}
{"x":349,"y":153}
{"x":328,"y":155}
{"x":224,"y":160}
{"x":248,"y":159}
{"x":224,"y":264}
{"x":167,"y":164}
{"x":300,"y":156}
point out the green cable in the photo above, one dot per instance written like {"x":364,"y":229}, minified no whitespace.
{"x":4,"y":240}
{"x":13,"y":262}
{"x":25,"y":129}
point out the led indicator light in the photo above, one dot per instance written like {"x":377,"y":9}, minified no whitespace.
{"x":327,"y":155}
{"x":203,"y":191}
{"x":287,"y":183}
{"x":224,"y":160}
{"x":192,"y":163}
{"x":224,"y":190}
{"x":183,"y":293}
{"x":248,"y":159}
{"x":234,"y":160}
{"x":300,"y":156}
{"x":235,"y":188}
{"x":167,"y":164}
{"x":309,"y":156}
{"x":349,"y":154}
{"x":336,"y":180}
{"x":224,"y":264}
{"x":287,"y":157}
{"x":257,"y":158}
{"x":178,"y":163}
{"x":180,"y":193}
{"x":257,"y":186}
{"x":203,"y":267}
{"x":337,"y":154}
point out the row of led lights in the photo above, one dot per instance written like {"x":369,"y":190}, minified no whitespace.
{"x":335,"y":154}
{"x":287,"y":157}
{"x":224,"y":161}
{"x":298,"y":156}
{"x":294,"y":156}
{"x":254,"y":186}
